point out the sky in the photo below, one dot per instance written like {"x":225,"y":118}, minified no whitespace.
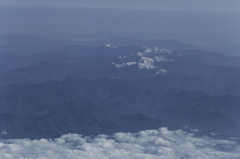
{"x":149,"y":144}
{"x":206,"y":19}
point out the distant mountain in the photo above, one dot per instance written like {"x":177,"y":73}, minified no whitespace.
{"x":35,"y":40}
{"x":116,"y":85}
{"x":38,"y":73}
{"x":32,"y":40}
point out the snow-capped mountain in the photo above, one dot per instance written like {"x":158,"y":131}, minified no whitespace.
{"x":50,"y":90}
{"x":150,"y":59}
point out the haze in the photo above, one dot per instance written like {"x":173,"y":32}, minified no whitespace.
{"x":198,"y":21}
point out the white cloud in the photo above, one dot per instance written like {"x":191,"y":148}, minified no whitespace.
{"x":149,"y":144}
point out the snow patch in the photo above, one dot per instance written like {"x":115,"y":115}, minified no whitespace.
{"x":148,"y":59}
{"x":124,"y":64}
{"x":140,"y":54}
{"x":214,"y":134}
{"x":122,"y":57}
{"x":160,"y":59}
{"x":148,"y":50}
{"x":161,"y":72}
{"x":146,"y":62}
{"x":157,"y":50}
{"x":111,"y":46}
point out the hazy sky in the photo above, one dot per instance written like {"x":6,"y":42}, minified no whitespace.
{"x":217,"y":19}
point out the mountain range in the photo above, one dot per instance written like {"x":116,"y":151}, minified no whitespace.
{"x":52,"y":87}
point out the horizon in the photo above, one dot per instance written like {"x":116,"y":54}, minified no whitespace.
{"x":203,"y":22}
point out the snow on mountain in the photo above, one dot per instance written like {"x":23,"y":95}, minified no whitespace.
{"x":148,"y":59}
{"x":146,"y":62}
{"x":122,"y":57}
{"x":125,"y":64}
{"x":161,"y":72}
{"x":111,"y":46}
{"x":157,"y":50}
{"x":160,"y":59}
{"x":151,"y":56}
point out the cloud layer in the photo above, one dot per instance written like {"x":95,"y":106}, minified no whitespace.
{"x":149,"y":144}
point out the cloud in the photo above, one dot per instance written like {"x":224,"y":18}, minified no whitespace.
{"x":149,"y":144}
